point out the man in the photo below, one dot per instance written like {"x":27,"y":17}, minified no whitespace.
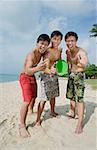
{"x":49,"y":78}
{"x":28,"y":80}
{"x":77,"y":61}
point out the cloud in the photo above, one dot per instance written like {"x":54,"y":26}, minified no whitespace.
{"x":22,"y":22}
{"x":19,"y":17}
{"x":69,"y":7}
{"x":57,"y":23}
{"x":89,"y":44}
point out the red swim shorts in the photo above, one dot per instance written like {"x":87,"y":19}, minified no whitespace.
{"x":29,"y":87}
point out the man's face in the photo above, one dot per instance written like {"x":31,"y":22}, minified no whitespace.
{"x":56,"y":40}
{"x":71,"y":42}
{"x":42,"y":46}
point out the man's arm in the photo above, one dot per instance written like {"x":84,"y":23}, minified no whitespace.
{"x":68,"y":54}
{"x":68,"y":58}
{"x":60,"y":55}
{"x":29,"y":69}
{"x":47,"y":70}
{"x":46,"y":57}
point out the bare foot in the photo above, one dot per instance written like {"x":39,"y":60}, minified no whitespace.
{"x":79,"y":128}
{"x":71,"y":115}
{"x":38,"y":123}
{"x":76,"y":116}
{"x":54,"y":114}
{"x":23,"y":132}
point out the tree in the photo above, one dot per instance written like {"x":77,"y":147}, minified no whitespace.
{"x":91,"y":71}
{"x":94,"y":31}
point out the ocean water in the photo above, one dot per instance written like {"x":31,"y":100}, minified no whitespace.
{"x":8,"y":77}
{"x":11,"y":77}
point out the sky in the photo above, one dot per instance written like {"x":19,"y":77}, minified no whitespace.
{"x":22,"y":21}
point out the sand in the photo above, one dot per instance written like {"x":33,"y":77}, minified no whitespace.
{"x":54,"y":133}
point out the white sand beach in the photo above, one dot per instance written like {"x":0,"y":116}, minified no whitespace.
{"x":54,"y":133}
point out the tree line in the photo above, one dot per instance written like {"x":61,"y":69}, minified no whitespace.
{"x":91,"y":69}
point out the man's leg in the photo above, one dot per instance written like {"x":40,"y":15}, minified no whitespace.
{"x":39,"y":112}
{"x":31,"y":106}
{"x":72,"y":108}
{"x":70,"y":95}
{"x":80,"y":108}
{"x":52,"y":106}
{"x":23,"y":114}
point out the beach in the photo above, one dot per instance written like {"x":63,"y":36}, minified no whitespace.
{"x":54,"y":133}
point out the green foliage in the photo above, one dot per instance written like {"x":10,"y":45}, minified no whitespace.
{"x":91,"y":71}
{"x":94,"y":31}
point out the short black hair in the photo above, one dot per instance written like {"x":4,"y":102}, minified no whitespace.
{"x":57,"y":33}
{"x":43,"y":37}
{"x":71,"y":33}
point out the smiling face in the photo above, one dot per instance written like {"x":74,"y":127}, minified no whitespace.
{"x":56,"y":40}
{"x":42,"y":46}
{"x":71,"y":42}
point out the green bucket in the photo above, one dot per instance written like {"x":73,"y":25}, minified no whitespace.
{"x":61,"y":67}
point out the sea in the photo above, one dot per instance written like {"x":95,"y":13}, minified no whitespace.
{"x":8,"y":77}
{"x":12,"y":77}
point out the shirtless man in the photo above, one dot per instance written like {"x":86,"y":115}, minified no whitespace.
{"x":49,"y":78}
{"x":77,"y":61}
{"x":28,"y":81}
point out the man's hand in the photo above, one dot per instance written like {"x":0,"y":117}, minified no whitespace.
{"x":53,"y":70}
{"x":68,"y":55}
{"x":82,"y":60}
{"x":42,"y":66}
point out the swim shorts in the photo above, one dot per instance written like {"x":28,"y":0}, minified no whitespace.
{"x":75,"y":86}
{"x":49,"y":86}
{"x":29,"y":86}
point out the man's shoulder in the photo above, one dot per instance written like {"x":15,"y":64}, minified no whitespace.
{"x":47,"y":51}
{"x":60,"y":49}
{"x":31,"y":53}
{"x":81,"y":50}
